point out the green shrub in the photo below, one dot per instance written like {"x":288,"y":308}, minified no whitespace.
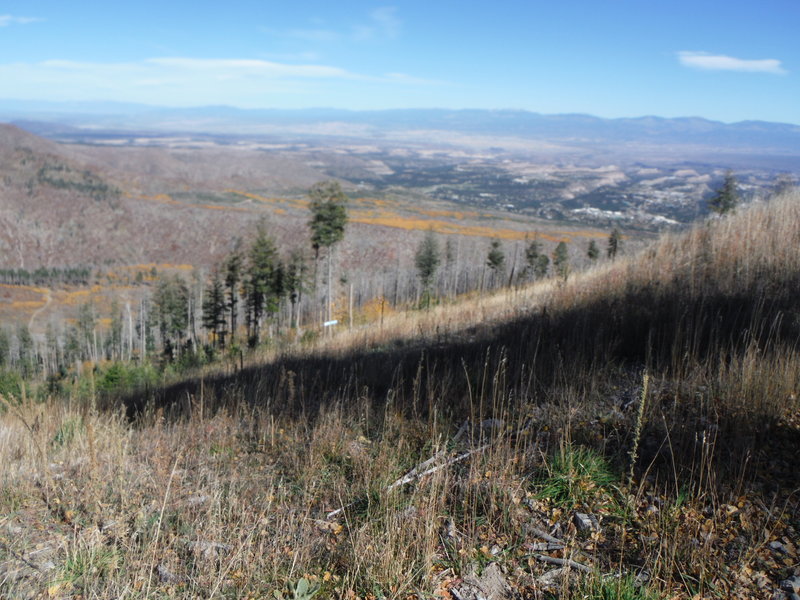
{"x":611,"y":588}
{"x":10,"y":385}
{"x":302,"y":590}
{"x":575,"y":476}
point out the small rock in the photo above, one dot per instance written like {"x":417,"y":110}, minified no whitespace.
{"x":109,"y":524}
{"x":585,"y":522}
{"x":791,"y":585}
{"x":776,"y":546}
{"x":209,"y":550}
{"x":14,"y":529}
{"x":196,"y":500}
{"x":166,"y":575}
{"x":48,"y":565}
{"x":491,"y":585}
{"x":555,"y":578}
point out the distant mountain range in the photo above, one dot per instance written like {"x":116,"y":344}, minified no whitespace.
{"x":57,"y":118}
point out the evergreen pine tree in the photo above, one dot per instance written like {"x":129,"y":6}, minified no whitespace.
{"x":233,"y":278}
{"x":726,"y":198}
{"x":532,"y":254}
{"x":593,"y":252}
{"x":495,"y":260}
{"x":561,"y":260}
{"x":613,"y":243}
{"x":426,"y":260}
{"x":171,"y":311}
{"x":27,"y":351}
{"x":214,"y":307}
{"x":541,"y":266}
{"x":263,"y":285}
{"x":328,"y":220}
{"x":5,"y":347}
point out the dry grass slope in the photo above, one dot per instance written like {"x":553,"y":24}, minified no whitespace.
{"x":532,"y":405}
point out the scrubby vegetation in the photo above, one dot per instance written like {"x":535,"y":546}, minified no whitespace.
{"x":627,"y":432}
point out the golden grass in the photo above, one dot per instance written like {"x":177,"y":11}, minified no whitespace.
{"x":229,"y":496}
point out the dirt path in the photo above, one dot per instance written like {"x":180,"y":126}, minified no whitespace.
{"x":48,"y":299}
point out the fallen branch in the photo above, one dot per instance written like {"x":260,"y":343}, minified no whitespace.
{"x":545,"y":536}
{"x":416,"y":474}
{"x":412,"y":476}
{"x":545,"y":546}
{"x":21,"y":558}
{"x":563,"y":562}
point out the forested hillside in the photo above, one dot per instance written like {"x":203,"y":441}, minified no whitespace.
{"x":150,"y":255}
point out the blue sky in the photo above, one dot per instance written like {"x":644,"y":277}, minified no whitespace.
{"x":726,"y":60}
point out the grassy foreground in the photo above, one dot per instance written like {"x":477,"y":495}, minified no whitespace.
{"x":631,"y":433}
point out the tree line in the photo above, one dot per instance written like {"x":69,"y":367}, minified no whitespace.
{"x":46,"y":276}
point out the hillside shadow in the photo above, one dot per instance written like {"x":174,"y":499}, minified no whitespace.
{"x":484,"y":370}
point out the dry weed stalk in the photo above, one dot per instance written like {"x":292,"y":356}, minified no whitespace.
{"x":637,"y":430}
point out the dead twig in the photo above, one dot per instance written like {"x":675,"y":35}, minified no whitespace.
{"x":416,"y":471}
{"x":545,"y":547}
{"x":411,"y":476}
{"x":416,"y":474}
{"x":21,"y":558}
{"x":545,"y":536}
{"x":563,"y":562}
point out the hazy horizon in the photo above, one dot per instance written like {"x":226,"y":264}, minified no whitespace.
{"x":26,"y":109}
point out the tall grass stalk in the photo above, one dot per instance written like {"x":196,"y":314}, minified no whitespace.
{"x":637,"y":429}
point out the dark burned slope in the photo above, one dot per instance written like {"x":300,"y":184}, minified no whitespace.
{"x":713,"y":314}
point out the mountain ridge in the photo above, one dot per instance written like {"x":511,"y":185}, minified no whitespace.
{"x":586,"y":128}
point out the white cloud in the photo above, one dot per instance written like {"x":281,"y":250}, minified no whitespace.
{"x":403,"y":78}
{"x":182,"y":81}
{"x":720,"y":62}
{"x":380,"y":24}
{"x":6,"y":20}
{"x":250,"y":67}
{"x":293,"y":57}
{"x":314,"y":35}
{"x":383,"y":23}
{"x":386,"y":18}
